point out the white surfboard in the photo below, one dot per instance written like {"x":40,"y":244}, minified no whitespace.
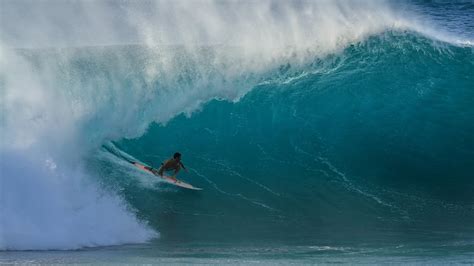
{"x":168,"y":179}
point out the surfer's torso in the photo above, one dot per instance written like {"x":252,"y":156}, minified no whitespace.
{"x":171,"y":164}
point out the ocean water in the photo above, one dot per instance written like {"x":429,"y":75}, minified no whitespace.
{"x":320,"y":132}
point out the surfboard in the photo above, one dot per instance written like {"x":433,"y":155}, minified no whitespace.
{"x":166,"y":178}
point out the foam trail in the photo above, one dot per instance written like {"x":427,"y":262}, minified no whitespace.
{"x":230,"y":171}
{"x":239,"y":195}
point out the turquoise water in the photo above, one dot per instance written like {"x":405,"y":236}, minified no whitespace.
{"x":250,"y":254}
{"x":358,"y":148}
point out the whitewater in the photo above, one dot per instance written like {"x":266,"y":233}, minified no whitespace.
{"x":320,"y":131}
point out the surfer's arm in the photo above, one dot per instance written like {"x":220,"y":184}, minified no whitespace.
{"x":182,"y":165}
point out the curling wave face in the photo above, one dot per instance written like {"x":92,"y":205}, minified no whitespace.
{"x":373,"y":142}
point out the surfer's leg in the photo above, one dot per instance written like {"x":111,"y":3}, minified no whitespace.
{"x":177,"y":170}
{"x":160,"y":171}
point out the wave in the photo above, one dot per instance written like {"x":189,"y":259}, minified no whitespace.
{"x":366,"y":141}
{"x":64,"y":96}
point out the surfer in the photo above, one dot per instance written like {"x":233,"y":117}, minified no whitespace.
{"x":172,"y":164}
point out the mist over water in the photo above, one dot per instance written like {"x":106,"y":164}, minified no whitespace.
{"x":290,"y":115}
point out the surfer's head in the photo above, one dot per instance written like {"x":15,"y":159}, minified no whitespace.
{"x":177,"y":155}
